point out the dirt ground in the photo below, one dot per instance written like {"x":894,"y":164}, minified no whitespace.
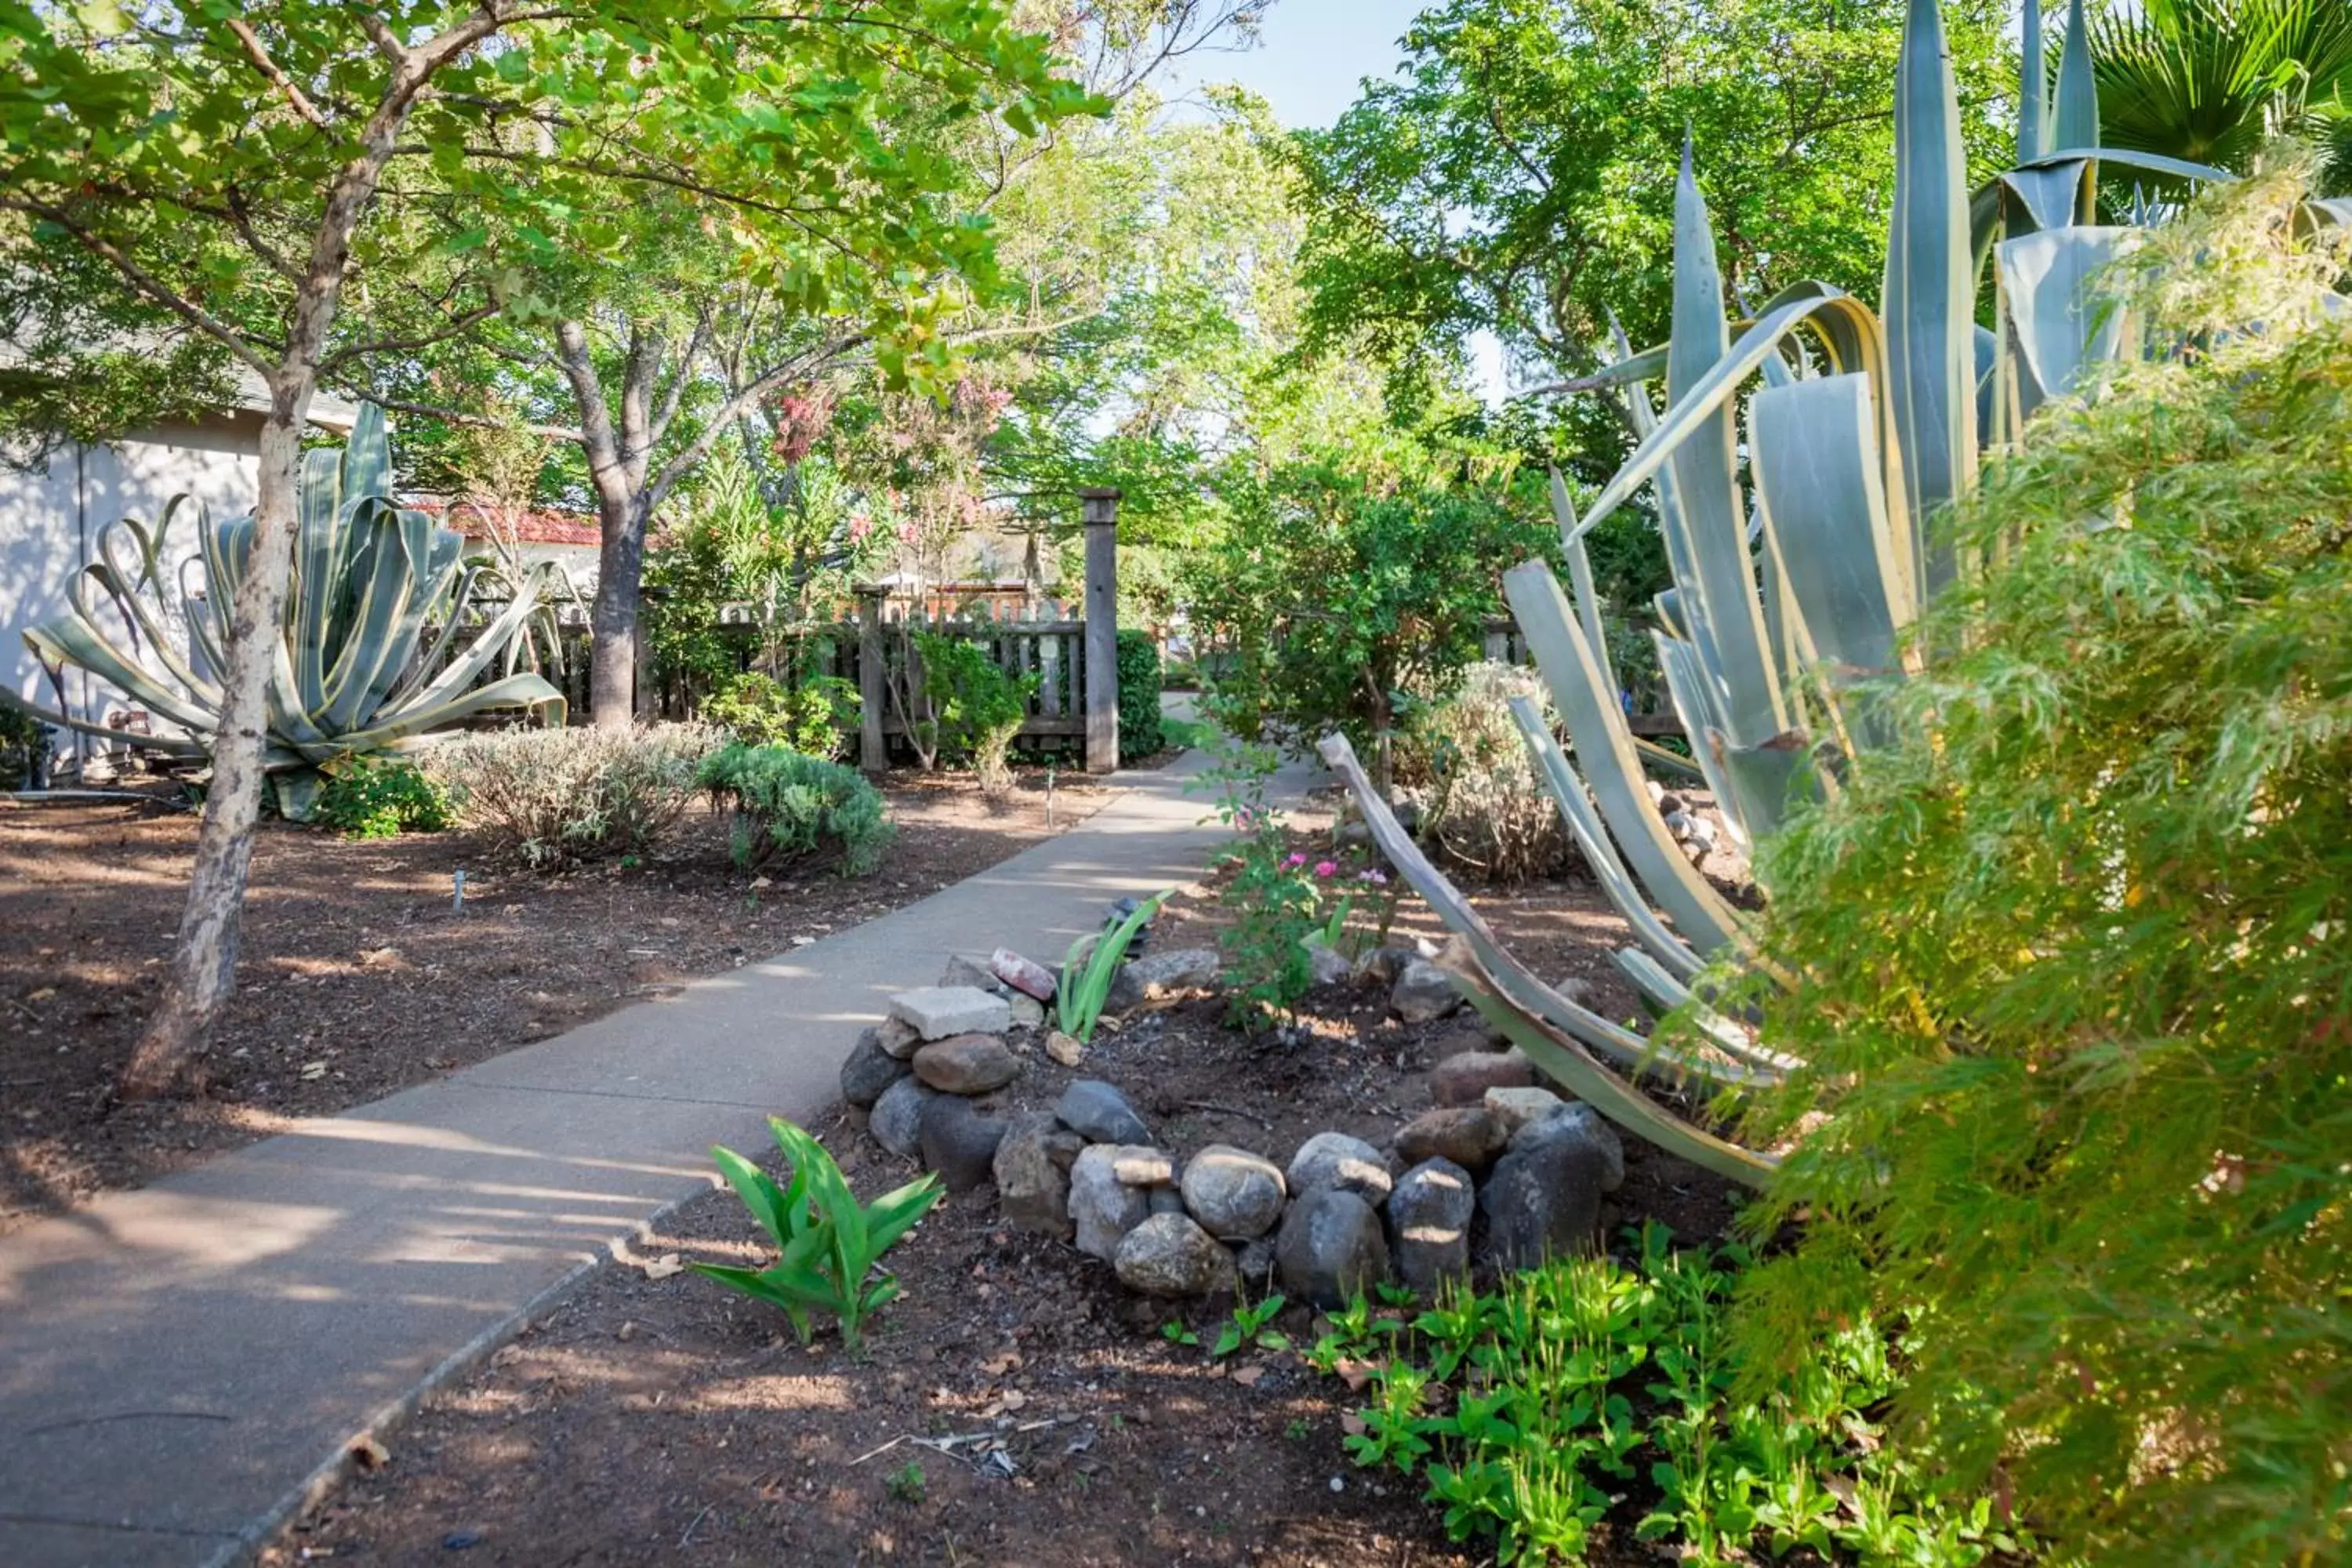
{"x":360,"y":977}
{"x":657,"y":1418}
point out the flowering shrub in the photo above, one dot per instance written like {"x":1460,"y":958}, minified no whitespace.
{"x":1278,"y":900}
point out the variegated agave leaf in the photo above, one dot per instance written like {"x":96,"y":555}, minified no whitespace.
{"x":353,"y":671}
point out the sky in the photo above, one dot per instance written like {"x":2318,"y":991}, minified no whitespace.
{"x":1309,"y":63}
{"x":1311,"y":55}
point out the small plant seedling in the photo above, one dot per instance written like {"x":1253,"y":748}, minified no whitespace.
{"x":828,"y":1244}
{"x":906,"y":1483}
{"x":1298,"y":1430}
{"x":1249,"y":1327}
{"x":1174,"y":1332}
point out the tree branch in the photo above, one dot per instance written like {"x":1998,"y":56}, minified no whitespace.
{"x":147,"y":283}
{"x":278,"y":79}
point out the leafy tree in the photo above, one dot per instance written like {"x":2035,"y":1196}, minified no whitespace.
{"x":2068,"y":966}
{"x":2212,"y":81}
{"x":230,"y":169}
{"x":1519,"y":179}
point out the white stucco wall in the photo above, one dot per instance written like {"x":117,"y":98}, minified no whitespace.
{"x":50,"y":520}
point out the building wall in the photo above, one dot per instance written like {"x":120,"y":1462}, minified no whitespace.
{"x":50,"y":521}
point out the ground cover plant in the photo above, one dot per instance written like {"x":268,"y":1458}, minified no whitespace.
{"x":786,"y":804}
{"x":1565,"y":1394}
{"x":2069,"y":964}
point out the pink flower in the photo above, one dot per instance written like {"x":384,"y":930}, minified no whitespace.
{"x":1325,"y":868}
{"x":860,"y":525}
{"x":1293,"y":862}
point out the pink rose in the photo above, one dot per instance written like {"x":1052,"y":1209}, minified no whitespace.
{"x":1325,"y":868}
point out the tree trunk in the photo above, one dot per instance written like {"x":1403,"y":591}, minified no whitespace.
{"x":203,"y":961}
{"x":617,"y":460}
{"x":613,"y":621}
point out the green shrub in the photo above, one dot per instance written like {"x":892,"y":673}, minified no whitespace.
{"x":2072,"y":964}
{"x":24,"y":746}
{"x":980,"y":706}
{"x":816,"y":716}
{"x":557,"y":797}
{"x":1139,"y":695}
{"x":379,"y":797}
{"x":1484,"y":808}
{"x":1581,"y":1386}
{"x":789,"y":804}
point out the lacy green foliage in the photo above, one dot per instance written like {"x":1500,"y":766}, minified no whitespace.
{"x":790,"y":804}
{"x":815,"y":717}
{"x":1340,"y":597}
{"x":828,"y":1244}
{"x":553,"y":798}
{"x":979,"y":705}
{"x":1591,"y":1390}
{"x":1484,"y":808}
{"x":2072,"y":964}
{"x":1139,"y":695}
{"x":371,"y":798}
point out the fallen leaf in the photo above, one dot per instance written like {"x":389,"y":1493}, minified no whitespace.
{"x":665,"y":1265}
{"x":997,"y":1366}
{"x":43,"y":995}
{"x":1351,"y":1424}
{"x":1248,"y":1377}
{"x":1354,"y":1372}
{"x":379,"y":958}
{"x":369,"y":1454}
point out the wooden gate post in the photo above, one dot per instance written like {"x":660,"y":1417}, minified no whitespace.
{"x":873,"y":695}
{"x":1099,"y":511}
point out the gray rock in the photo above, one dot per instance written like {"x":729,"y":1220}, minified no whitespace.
{"x":899,"y":1037}
{"x":1167,"y":1254}
{"x":1102,"y":1207}
{"x":960,"y":1141}
{"x":1463,"y":1077}
{"x":1142,"y":979}
{"x":1099,"y":1113}
{"x":1164,"y":1200}
{"x":1032,"y":1188}
{"x":1578,"y":1122}
{"x":869,"y":1070}
{"x":1543,"y":1202}
{"x":1028,"y":1012}
{"x":1024,"y":975}
{"x":1381,"y":965}
{"x":1330,"y":1248}
{"x":938,"y":1012}
{"x":1335,"y":1159}
{"x":1677,"y":823}
{"x":1234,"y":1195}
{"x":1464,"y":1135}
{"x":1515,"y":1108}
{"x":966,"y":1064}
{"x":964,"y":969}
{"x":1702,"y":831}
{"x":896,"y":1123}
{"x":1670,"y":802}
{"x":1424,"y":992}
{"x":1256,"y":1261}
{"x":1429,"y":1224}
{"x":1329,"y":967}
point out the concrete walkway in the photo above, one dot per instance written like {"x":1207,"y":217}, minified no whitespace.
{"x":181,"y":1365}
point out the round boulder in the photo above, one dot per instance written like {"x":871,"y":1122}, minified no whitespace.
{"x":1099,"y":1113}
{"x":960,"y":1141}
{"x":869,"y":1071}
{"x":1463,"y":1134}
{"x":1429,"y":1224}
{"x":896,"y":1123}
{"x":1335,"y":1160}
{"x":1330,"y":1248}
{"x":1234,"y":1195}
{"x":1167,"y":1254}
{"x":966,"y":1064}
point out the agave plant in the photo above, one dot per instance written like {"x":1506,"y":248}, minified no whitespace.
{"x":1798,"y":573}
{"x":388,"y":631}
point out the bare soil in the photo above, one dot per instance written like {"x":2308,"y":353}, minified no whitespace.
{"x":1015,"y":1405}
{"x":358,"y":977}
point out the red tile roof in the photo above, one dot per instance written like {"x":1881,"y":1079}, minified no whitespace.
{"x":540,"y":526}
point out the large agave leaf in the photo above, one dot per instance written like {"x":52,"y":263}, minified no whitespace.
{"x":2077,"y":118}
{"x":1818,"y":480}
{"x":1605,"y":747}
{"x":1579,"y":576}
{"x":2032,"y":87}
{"x":1706,"y":488}
{"x":1522,"y":989}
{"x":1927,"y":305}
{"x":2056,"y":323}
{"x":1686,"y":684}
{"x":1584,"y":826}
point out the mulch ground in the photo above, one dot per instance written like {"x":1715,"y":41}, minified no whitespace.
{"x":654,"y":1416}
{"x":359,"y":978}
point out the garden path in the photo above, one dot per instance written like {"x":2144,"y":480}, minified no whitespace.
{"x":181,"y":1365}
